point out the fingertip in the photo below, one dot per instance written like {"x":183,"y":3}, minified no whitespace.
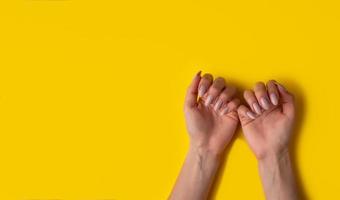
{"x":199,"y":73}
{"x":259,"y":85}
{"x":274,"y":99}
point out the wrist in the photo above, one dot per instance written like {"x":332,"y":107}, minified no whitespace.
{"x":277,"y":176}
{"x":272,"y":154}
{"x":274,"y":159}
{"x":204,"y":148}
{"x":205,"y":154}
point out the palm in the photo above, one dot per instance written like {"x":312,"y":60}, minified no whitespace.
{"x":268,"y":131}
{"x":211,"y":113}
{"x":210,"y":128}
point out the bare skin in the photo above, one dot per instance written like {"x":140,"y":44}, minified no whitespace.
{"x":211,"y":122}
{"x":212,"y":113}
{"x":267,"y":125}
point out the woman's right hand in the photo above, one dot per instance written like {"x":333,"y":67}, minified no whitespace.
{"x":268,"y":120}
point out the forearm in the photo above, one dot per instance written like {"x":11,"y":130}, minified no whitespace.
{"x":277,"y":177}
{"x":196,"y":176}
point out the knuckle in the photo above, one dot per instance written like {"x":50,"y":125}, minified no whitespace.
{"x":259,"y":85}
{"x":232,"y":90}
{"x":226,"y":94}
{"x":219,"y":79}
{"x":208,"y":77}
{"x":270,"y":83}
{"x":219,"y":83}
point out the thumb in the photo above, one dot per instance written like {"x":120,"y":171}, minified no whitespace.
{"x":245,"y":115}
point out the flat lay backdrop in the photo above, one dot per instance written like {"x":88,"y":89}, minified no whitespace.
{"x":91,"y":92}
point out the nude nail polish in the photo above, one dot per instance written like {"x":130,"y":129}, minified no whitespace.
{"x":208,"y":101}
{"x":224,"y":111}
{"x":218,"y":105}
{"x":264,"y":103}
{"x":201,"y":91}
{"x":251,"y":115}
{"x":274,"y":99}
{"x":257,"y":108}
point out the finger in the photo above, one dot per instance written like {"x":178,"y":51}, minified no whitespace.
{"x":287,"y":98}
{"x":191,"y":97}
{"x":261,"y":95}
{"x":251,"y":100}
{"x":226,"y":95}
{"x":245,"y":114}
{"x":231,"y":106}
{"x":273,"y":92}
{"x":214,"y":90}
{"x":204,"y":85}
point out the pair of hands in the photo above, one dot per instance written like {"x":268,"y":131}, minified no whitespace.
{"x":212,"y":113}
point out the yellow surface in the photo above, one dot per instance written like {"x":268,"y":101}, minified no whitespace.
{"x":91,"y":92}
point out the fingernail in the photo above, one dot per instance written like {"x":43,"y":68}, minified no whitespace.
{"x":257,"y":108}
{"x":264,"y":103}
{"x":208,"y":101}
{"x":251,"y":115}
{"x":199,"y":73}
{"x":218,"y":105}
{"x":201,"y":91}
{"x":224,"y":111}
{"x":274,"y":99}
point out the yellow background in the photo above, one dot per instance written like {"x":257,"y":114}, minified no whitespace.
{"x":91,"y":92}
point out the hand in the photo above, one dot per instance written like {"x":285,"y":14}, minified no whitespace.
{"x":212,"y":119}
{"x":267,"y":123}
{"x":267,"y":126}
{"x":211,"y":122}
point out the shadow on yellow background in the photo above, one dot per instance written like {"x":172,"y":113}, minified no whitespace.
{"x":91,"y":92}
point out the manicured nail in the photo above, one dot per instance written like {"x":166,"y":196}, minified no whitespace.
{"x":257,"y":108}
{"x":199,"y":73}
{"x":274,"y":99}
{"x":265,"y":103}
{"x":218,"y":105}
{"x":224,"y":111}
{"x":202,"y":91}
{"x":251,"y":115}
{"x":208,"y":101}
